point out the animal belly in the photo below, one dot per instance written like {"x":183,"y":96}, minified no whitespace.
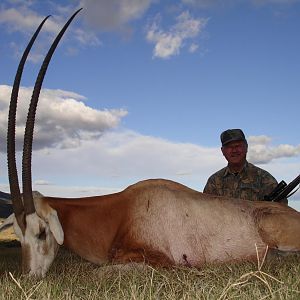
{"x":182,"y":244}
{"x":192,"y":233}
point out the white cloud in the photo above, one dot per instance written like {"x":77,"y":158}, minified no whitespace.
{"x":113,"y":14}
{"x":262,"y":2}
{"x":169,"y":43}
{"x":204,"y":3}
{"x":63,"y":119}
{"x":41,"y":182}
{"x":68,"y":191}
{"x":261,"y":151}
{"x":24,"y":19}
{"x":86,"y":37}
{"x":222,"y":3}
{"x":193,"y":48}
{"x":120,"y":158}
{"x":259,"y":140}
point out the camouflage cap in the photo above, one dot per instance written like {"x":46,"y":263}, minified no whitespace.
{"x":231,"y":135}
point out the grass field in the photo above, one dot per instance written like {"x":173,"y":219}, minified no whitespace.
{"x":70,"y":277}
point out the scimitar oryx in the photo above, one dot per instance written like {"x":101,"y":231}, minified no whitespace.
{"x":156,"y":221}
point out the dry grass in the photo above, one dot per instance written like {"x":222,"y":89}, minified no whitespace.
{"x":70,"y":277}
{"x":7,"y":234}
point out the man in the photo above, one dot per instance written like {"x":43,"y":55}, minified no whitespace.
{"x":240,"y":179}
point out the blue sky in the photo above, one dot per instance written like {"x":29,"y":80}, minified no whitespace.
{"x":143,"y":89}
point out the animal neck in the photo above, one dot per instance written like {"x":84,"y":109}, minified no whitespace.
{"x":89,"y":225}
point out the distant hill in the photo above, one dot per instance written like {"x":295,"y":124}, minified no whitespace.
{"x":5,"y":205}
{"x":4,"y":196}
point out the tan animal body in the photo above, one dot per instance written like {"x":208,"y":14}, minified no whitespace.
{"x":162,"y":222}
{"x":157,"y":221}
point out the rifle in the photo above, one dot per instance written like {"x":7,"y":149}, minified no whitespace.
{"x":283,"y":190}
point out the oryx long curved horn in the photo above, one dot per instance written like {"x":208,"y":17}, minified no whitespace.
{"x":11,"y":134}
{"x":28,"y":137}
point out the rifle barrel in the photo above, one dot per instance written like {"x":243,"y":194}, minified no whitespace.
{"x":288,"y":189}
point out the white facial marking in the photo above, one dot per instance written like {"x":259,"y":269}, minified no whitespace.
{"x":39,"y":246}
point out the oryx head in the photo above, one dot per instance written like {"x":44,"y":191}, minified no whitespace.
{"x":39,"y":234}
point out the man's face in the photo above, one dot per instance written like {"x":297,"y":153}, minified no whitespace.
{"x":235,"y":152}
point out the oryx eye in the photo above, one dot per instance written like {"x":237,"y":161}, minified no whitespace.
{"x":42,"y":235}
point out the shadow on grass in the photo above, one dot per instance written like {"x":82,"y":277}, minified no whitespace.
{"x":10,"y":256}
{"x":4,"y":244}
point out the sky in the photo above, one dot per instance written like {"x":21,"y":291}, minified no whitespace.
{"x":142,"y":89}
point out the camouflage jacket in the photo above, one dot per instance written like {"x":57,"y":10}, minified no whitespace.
{"x":252,"y":183}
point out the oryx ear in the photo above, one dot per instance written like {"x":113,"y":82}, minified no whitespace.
{"x":55,"y":227}
{"x":9,"y":221}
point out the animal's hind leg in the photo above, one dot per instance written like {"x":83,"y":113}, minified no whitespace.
{"x":281,"y":230}
{"x":141,"y":255}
